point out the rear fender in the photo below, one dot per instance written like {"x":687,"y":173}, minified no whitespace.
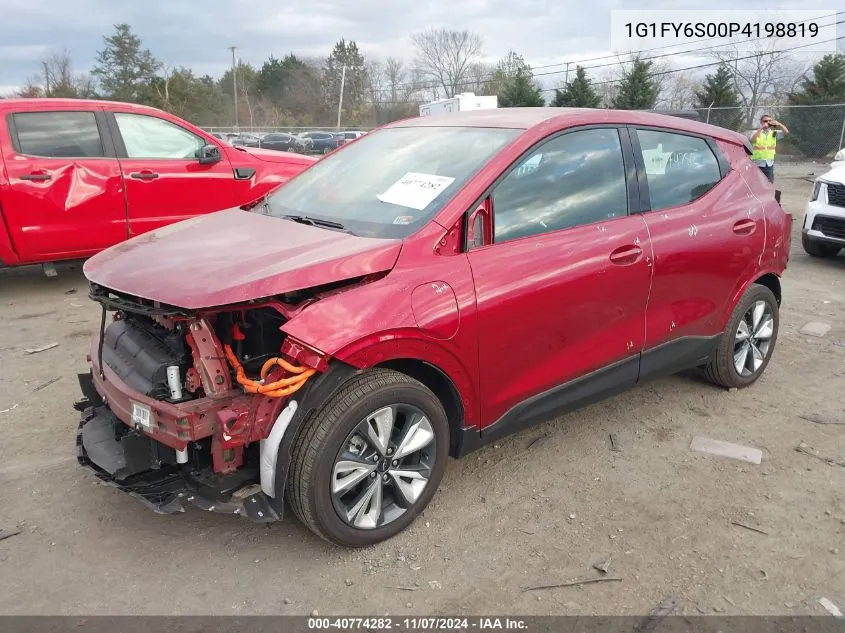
{"x":740,"y":290}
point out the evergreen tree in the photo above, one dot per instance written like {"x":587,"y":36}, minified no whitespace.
{"x":810,"y":128}
{"x":345,"y":54}
{"x":124,"y":68}
{"x":290,"y":84}
{"x":719,"y":91}
{"x":638,"y":90}
{"x":579,"y":93}
{"x":513,"y":83}
{"x":196,"y":99}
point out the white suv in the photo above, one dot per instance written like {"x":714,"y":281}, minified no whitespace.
{"x":823,"y":233}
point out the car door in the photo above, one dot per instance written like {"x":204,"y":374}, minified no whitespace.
{"x":561,"y":291}
{"x":165,"y":181}
{"x":64,"y":198}
{"x":706,"y":232}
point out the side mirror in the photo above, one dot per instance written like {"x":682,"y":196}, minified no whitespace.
{"x":480,"y":226}
{"x":208,"y":155}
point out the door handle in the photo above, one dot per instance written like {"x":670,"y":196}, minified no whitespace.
{"x":144,"y":175}
{"x":626,"y":255}
{"x":745,"y":227}
{"x":36,"y":177}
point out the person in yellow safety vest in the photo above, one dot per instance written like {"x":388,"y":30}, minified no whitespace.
{"x":764,"y":142}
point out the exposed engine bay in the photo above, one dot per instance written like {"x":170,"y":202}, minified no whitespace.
{"x":178,"y":403}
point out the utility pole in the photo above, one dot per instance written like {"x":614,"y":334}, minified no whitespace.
{"x":340,"y":101}
{"x":235,"y":86}
{"x":566,"y":76}
{"x":46,"y":79}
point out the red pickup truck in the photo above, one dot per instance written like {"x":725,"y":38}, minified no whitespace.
{"x":77,"y":176}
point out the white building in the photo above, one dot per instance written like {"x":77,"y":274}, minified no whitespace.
{"x":460,"y":103}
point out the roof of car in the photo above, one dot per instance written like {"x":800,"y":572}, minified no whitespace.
{"x":558,"y":118}
{"x":30,"y":103}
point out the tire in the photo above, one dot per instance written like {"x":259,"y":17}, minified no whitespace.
{"x":721,"y":369}
{"x":317,"y":465}
{"x":815,"y":248}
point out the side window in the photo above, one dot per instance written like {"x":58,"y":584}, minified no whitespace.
{"x":58,"y":134}
{"x":150,"y":137}
{"x":679,"y":168}
{"x":574,"y":179}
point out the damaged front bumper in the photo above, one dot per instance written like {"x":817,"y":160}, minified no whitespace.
{"x":147,"y":470}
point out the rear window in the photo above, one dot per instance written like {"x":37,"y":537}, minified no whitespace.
{"x":57,"y":134}
{"x":679,"y":168}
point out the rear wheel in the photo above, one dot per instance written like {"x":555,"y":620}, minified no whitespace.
{"x":818,"y":249}
{"x":748,"y":340}
{"x":370,"y":460}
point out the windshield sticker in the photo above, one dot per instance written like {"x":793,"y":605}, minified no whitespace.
{"x":415,"y":191}
{"x":403,"y":219}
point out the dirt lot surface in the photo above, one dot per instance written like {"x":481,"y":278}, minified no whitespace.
{"x":515,"y":514}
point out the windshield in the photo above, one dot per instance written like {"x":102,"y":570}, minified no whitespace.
{"x":389,"y":183}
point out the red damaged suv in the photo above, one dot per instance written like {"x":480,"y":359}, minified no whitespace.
{"x":433,"y":286}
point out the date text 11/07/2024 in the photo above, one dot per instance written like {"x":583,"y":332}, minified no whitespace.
{"x":721,"y":29}
{"x":416,"y":624}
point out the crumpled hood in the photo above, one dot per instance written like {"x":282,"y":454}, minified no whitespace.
{"x":233,"y":256}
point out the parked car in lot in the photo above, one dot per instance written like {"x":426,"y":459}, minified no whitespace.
{"x":281,"y":142}
{"x":823,"y":231}
{"x":390,"y":308}
{"x":78,"y":176}
{"x":245,"y":139}
{"x":226,"y":137}
{"x":350,"y":135}
{"x":323,"y":142}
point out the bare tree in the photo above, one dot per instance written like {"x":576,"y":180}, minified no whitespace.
{"x":444,"y":57}
{"x":478,"y":77}
{"x":762,"y":75}
{"x":57,"y":78}
{"x":392,"y":90}
{"x":678,"y":92}
{"x":607,"y":90}
{"x":163,"y":89}
{"x":396,"y":79}
{"x":377,"y":88}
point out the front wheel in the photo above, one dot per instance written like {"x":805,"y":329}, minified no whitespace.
{"x":370,"y":460}
{"x":748,"y":340}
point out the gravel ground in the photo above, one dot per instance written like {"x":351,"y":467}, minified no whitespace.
{"x":516,"y":514}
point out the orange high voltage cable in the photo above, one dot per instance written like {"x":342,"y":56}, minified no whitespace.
{"x":277,"y":389}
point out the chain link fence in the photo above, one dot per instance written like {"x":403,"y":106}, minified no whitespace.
{"x":815,"y":131}
{"x":259,"y":130}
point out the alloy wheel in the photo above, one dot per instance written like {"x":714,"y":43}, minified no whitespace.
{"x":383,"y":466}
{"x":753,"y":339}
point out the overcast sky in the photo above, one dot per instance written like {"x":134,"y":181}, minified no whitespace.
{"x":196,"y":33}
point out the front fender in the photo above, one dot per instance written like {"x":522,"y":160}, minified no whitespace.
{"x":425,"y":312}
{"x":384,"y":347}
